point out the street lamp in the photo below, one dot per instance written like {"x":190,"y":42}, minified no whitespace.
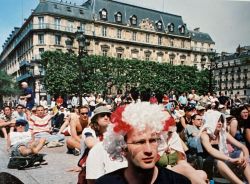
{"x":40,"y":68}
{"x":211,"y":68}
{"x":82,"y":51}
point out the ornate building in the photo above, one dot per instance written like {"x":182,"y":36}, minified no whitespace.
{"x":231,"y":73}
{"x":113,"y":28}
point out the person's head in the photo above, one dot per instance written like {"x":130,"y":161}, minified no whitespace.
{"x":200,"y":110}
{"x":84,"y":113}
{"x":24,"y":85}
{"x":189,"y":110}
{"x":7,"y":110}
{"x":20,"y":125}
{"x":40,"y":111}
{"x":134,"y":133}
{"x":20,"y":108}
{"x":100,"y":119}
{"x":243,"y":110}
{"x":196,"y":120}
{"x":215,"y":121}
{"x":220,"y":123}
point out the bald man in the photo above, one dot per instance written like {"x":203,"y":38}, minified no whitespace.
{"x":28,"y":95}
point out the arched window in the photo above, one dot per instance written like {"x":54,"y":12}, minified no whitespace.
{"x":171,"y":27}
{"x":159,"y":25}
{"x":133,"y":20}
{"x":118,"y":17}
{"x":103,"y":14}
{"x":181,"y":29}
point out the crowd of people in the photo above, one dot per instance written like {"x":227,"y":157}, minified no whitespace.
{"x":118,"y":139}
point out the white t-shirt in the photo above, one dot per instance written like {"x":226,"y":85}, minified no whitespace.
{"x":19,"y":137}
{"x":99,"y":163}
{"x":86,"y":131}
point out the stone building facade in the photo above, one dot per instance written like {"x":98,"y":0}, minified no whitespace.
{"x":113,"y":28}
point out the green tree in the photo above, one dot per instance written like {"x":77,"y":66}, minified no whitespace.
{"x":8,"y":86}
{"x":62,"y":74}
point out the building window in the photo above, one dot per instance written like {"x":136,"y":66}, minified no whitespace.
{"x":159,"y":59}
{"x":134,"y":36}
{"x":171,"y":43}
{"x":57,"y":23}
{"x":41,"y":50}
{"x":119,"y":55}
{"x":57,"y":39}
{"x":119,"y":33}
{"x":70,"y":26}
{"x":81,"y":11}
{"x":182,"y":29}
{"x":104,"y":31}
{"x":104,"y":14}
{"x":104,"y":53}
{"x":159,"y":40}
{"x":147,"y":57}
{"x":68,"y":9}
{"x":40,"y":38}
{"x":133,"y":20}
{"x":159,"y":25}
{"x":82,"y":27}
{"x":41,"y":22}
{"x":171,"y":27}
{"x":118,"y":17}
{"x":147,"y":38}
{"x":182,"y":44}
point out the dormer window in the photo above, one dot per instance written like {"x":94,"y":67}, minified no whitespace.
{"x":118,"y":17}
{"x":103,"y":14}
{"x":171,"y":27}
{"x":159,"y":25}
{"x":68,"y":9}
{"x":133,"y":20}
{"x":181,"y":29}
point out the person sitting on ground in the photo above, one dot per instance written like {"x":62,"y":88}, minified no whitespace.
{"x":98,"y":162}
{"x":22,"y":142}
{"x":77,"y":125}
{"x":65,"y":128}
{"x":134,"y":134}
{"x":192,"y":131}
{"x":42,"y":128}
{"x":214,"y":140}
{"x":172,"y":154}
{"x":7,"y":123}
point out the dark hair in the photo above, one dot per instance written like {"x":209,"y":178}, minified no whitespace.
{"x":194,"y":116}
{"x":83,"y":107}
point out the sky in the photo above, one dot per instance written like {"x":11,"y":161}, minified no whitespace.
{"x":226,"y":21}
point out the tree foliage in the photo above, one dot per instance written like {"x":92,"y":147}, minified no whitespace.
{"x":7,"y":86}
{"x":146,"y":76}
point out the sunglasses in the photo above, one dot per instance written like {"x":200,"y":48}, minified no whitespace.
{"x":104,"y":114}
{"x":84,"y":113}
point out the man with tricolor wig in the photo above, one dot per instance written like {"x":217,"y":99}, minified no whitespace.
{"x":134,"y":134}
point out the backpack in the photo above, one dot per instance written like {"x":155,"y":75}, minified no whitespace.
{"x":21,"y":162}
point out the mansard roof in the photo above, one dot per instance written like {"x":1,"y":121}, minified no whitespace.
{"x":128,"y":10}
{"x":200,"y":37}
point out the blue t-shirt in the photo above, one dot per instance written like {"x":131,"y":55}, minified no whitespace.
{"x":30,"y":101}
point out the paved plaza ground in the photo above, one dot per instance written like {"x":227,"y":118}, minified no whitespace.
{"x":53,"y":173}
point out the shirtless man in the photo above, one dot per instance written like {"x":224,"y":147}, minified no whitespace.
{"x":77,"y":124}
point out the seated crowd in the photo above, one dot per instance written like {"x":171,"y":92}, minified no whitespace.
{"x":192,"y":136}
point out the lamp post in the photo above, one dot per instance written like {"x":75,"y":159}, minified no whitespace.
{"x":82,"y":51}
{"x":40,"y":68}
{"x":211,"y":68}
